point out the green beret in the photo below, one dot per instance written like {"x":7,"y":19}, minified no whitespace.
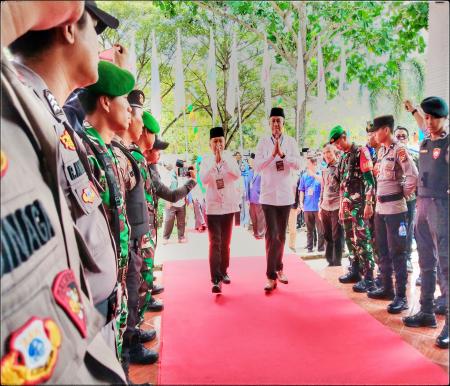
{"x":112,"y":80}
{"x":435,"y":106}
{"x":150,"y":123}
{"x":336,"y":133}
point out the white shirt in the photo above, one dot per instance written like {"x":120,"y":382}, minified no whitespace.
{"x":227,"y":172}
{"x":276,"y":185}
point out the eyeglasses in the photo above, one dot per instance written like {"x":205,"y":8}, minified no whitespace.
{"x":401,"y":136}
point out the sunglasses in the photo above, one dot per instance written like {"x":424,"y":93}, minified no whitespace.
{"x":401,"y":136}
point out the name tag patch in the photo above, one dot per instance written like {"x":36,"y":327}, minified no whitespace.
{"x":280,"y":166}
{"x":32,"y":353}
{"x":75,"y":170}
{"x":22,"y":233}
{"x":67,"y":295}
{"x":220,"y":184}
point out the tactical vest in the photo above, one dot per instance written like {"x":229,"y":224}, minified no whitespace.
{"x":353,"y":182}
{"x":115,"y":205}
{"x":135,"y":199}
{"x":433,"y":168}
{"x":48,"y":323}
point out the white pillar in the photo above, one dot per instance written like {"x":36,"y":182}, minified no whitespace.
{"x":437,"y":64}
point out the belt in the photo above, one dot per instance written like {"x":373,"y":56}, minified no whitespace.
{"x":390,"y":197}
{"x":108,"y":306}
{"x":122,"y":274}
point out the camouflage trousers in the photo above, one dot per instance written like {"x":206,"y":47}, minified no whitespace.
{"x":121,"y":316}
{"x":358,"y":237}
{"x":145,"y":290}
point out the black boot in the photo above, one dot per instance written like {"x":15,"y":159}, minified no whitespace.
{"x":353,"y":276}
{"x":440,"y":308}
{"x":398,"y":305}
{"x":442,"y":339}
{"x":147,"y":335}
{"x":365,"y":285}
{"x":381,"y":294}
{"x":421,"y":319}
{"x":142,"y":356}
{"x":155,"y":305}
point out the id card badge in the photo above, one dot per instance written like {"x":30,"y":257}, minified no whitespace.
{"x":280,"y":166}
{"x":220,"y":184}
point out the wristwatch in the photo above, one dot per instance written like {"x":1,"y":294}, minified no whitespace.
{"x":414,"y":111}
{"x":283,"y":156}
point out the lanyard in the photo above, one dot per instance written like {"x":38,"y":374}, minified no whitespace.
{"x":282,"y":139}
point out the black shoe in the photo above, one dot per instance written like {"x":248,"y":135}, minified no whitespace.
{"x":217,"y":287}
{"x":143,"y":356}
{"x":364,"y":285}
{"x":155,"y":305}
{"x":226,"y":279}
{"x":310,"y":250}
{"x":442,"y":339}
{"x":440,"y":309}
{"x":382,"y":294}
{"x":146,"y":335}
{"x":421,"y":319}
{"x":157,"y":289}
{"x":321,"y":250}
{"x":418,"y":281}
{"x":378,"y":280}
{"x":398,"y":305}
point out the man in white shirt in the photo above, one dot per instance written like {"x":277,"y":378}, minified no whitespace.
{"x":219,"y":172}
{"x":276,"y":157}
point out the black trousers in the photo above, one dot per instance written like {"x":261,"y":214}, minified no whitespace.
{"x":411,"y":220}
{"x":332,"y":233}
{"x":219,"y":232}
{"x":277,"y":218}
{"x":313,"y":223}
{"x":180,"y":214}
{"x":391,"y":245}
{"x":258,"y":220}
{"x":133,"y":280}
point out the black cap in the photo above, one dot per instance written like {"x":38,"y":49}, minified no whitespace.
{"x":384,"y":120}
{"x":104,"y":19}
{"x":369,"y":127}
{"x":435,"y":106}
{"x":136,"y":98}
{"x":216,"y":132}
{"x":159,"y":144}
{"x":276,"y":112}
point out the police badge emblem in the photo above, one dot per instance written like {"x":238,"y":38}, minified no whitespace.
{"x":32,"y":353}
{"x":436,"y":152}
{"x":67,"y":295}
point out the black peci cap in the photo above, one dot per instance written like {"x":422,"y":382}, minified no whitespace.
{"x":104,"y":18}
{"x":383,"y":121}
{"x":216,"y":132}
{"x":136,"y":98}
{"x":276,"y":112}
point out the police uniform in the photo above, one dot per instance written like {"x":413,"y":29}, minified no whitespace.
{"x":355,"y":173}
{"x":94,"y":237}
{"x":104,"y":164}
{"x":397,"y":179}
{"x":48,"y":321}
{"x":432,"y":221}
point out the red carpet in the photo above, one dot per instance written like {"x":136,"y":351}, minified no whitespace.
{"x":306,"y":332}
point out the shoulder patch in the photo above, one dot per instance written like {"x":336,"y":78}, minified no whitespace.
{"x":67,"y":295}
{"x":32,"y":353}
{"x":4,"y":163}
{"x":66,"y":140}
{"x":366,"y":164}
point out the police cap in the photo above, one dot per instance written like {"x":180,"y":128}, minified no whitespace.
{"x":136,"y":98}
{"x":383,"y":121}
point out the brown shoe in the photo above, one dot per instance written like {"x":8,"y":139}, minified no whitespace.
{"x":282,"y":277}
{"x":270,"y":285}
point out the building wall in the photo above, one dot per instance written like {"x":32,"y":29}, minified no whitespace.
{"x":437,"y":61}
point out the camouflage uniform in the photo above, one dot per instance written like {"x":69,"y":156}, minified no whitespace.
{"x":356,"y":183}
{"x":149,"y":241}
{"x":114,"y":204}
